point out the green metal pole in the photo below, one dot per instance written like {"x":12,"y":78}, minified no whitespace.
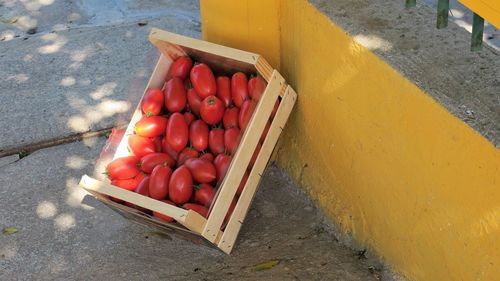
{"x":442,"y":13}
{"x":477,"y":33}
{"x":411,"y":3}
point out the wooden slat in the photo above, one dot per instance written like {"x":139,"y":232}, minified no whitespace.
{"x":222,"y":59}
{"x":156,"y":81}
{"x":137,"y":215}
{"x":188,"y":218}
{"x":264,"y":68}
{"x":93,"y":185}
{"x":235,"y":222}
{"x":172,"y":228}
{"x":242,"y":157}
{"x":194,"y":222}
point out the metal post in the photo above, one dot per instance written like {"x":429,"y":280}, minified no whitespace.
{"x":442,"y":13}
{"x":411,"y":3}
{"x":477,"y":33}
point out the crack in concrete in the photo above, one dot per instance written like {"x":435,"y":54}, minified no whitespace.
{"x":26,"y":150}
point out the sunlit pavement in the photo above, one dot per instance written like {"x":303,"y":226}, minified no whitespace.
{"x":74,"y":67}
{"x":85,"y":78}
{"x":64,"y":235}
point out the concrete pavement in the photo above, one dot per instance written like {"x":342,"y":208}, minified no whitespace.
{"x":63,"y":235}
{"x":84,"y":77}
{"x":75,"y":81}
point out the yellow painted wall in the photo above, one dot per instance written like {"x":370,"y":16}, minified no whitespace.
{"x":386,"y":162}
{"x":488,"y":9}
{"x":250,"y":25}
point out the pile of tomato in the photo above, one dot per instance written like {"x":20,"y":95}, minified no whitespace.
{"x":190,"y":129}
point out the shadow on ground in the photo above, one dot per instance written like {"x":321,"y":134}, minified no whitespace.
{"x":61,"y":237}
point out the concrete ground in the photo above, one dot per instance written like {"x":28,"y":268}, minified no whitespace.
{"x":71,"y":67}
{"x":64,"y":235}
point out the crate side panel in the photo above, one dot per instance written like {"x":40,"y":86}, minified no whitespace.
{"x":222,"y":59}
{"x":228,"y":240}
{"x":242,"y":156}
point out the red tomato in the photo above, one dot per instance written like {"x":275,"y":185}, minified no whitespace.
{"x":187,"y":84}
{"x":212,"y":110}
{"x":162,"y":216}
{"x":242,"y":183}
{"x":180,"y":68}
{"x":143,"y":187}
{"x":194,"y":101}
{"x":239,"y":90}
{"x":129,"y":184}
{"x":246,"y":113}
{"x":231,"y":139}
{"x":167,"y":148}
{"x":177,"y":131}
{"x":251,"y":84}
{"x":150,"y":161}
{"x":151,"y":127}
{"x":152,"y":102}
{"x":204,"y":194}
{"x":186,"y":153}
{"x":158,"y":182}
{"x":202,"y":210}
{"x":180,"y":186}
{"x":207,"y":156}
{"x":189,"y":117}
{"x":224,"y":90}
{"x":203,"y":80}
{"x":157,"y":142}
{"x":216,"y":141}
{"x":198,"y":135}
{"x":141,"y":146}
{"x":275,"y":109}
{"x":202,"y":171}
{"x":254,"y":156}
{"x":123,"y":168}
{"x":221,"y":163}
{"x":175,"y":95}
{"x":256,"y":87}
{"x":264,"y":133}
{"x":230,"y":118}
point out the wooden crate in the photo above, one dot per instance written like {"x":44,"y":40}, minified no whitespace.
{"x":190,"y":225}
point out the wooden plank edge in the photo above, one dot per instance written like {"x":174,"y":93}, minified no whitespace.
{"x":236,"y":221}
{"x":157,"y":35}
{"x":96,"y":186}
{"x":264,"y":68}
{"x":171,"y":226}
{"x":194,"y":222}
{"x":241,"y":159}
